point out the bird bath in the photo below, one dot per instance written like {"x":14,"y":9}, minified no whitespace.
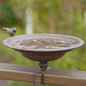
{"x":43,"y":47}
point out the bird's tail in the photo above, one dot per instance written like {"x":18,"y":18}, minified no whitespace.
{"x":4,"y":28}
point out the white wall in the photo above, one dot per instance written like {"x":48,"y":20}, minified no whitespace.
{"x":29,"y":21}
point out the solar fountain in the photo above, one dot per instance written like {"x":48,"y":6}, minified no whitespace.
{"x":42,"y":48}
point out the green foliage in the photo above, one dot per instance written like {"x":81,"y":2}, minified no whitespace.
{"x":8,"y":17}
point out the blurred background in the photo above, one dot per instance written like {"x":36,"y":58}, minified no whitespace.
{"x":43,"y":16}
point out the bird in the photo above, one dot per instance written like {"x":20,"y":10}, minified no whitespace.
{"x":10,"y":31}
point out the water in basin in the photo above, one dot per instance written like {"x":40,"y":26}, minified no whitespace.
{"x":44,"y":43}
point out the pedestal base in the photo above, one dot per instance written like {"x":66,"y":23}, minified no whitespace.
{"x":43,"y":66}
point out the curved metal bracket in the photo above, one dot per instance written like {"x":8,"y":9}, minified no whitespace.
{"x":38,"y":76}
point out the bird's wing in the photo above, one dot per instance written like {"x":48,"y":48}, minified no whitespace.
{"x":8,"y":30}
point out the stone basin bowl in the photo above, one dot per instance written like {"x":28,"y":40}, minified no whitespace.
{"x":42,"y":54}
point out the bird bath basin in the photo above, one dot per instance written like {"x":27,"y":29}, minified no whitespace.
{"x":42,"y":48}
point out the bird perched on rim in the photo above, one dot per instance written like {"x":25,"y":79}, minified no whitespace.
{"x":10,"y":31}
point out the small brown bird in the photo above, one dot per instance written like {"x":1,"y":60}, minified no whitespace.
{"x":10,"y":31}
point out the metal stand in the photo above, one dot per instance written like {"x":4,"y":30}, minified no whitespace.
{"x":38,"y":76}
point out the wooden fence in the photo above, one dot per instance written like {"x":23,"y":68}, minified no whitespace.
{"x":54,"y":76}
